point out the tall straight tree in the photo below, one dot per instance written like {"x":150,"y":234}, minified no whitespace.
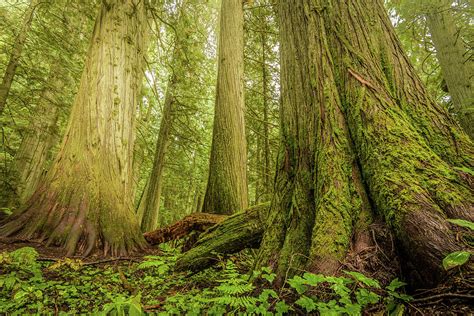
{"x":226,"y":190}
{"x":30,"y":160}
{"x":85,"y":202}
{"x":16,"y":54}
{"x":454,"y":58}
{"x":149,"y":206}
{"x":358,"y":126}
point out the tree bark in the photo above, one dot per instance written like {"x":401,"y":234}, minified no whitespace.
{"x":360,"y":135}
{"x":227,"y":183}
{"x":16,"y":54}
{"x":456,"y":66}
{"x":85,"y":202}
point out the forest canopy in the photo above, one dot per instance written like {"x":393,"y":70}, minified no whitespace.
{"x":256,"y":156}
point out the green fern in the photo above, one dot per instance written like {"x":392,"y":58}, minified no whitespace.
{"x":235,"y":289}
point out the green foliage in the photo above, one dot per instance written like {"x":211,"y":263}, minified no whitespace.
{"x":455,"y":259}
{"x":346,"y":297}
{"x":462,"y":223}
{"x":29,"y":286}
{"x":124,"y":306}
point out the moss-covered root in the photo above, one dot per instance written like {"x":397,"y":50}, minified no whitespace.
{"x":237,"y":232}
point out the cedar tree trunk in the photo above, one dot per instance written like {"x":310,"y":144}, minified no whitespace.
{"x":358,"y":126}
{"x":85,"y":201}
{"x":227,"y":184}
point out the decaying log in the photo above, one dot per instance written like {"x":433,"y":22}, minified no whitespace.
{"x":239,"y":231}
{"x":195,"y":222}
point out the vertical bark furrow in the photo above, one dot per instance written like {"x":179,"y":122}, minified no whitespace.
{"x":317,"y":198}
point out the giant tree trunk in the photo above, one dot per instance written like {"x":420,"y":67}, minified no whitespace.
{"x":227,"y":184}
{"x":456,"y":66}
{"x":16,"y":54}
{"x":358,"y":126}
{"x":85,"y":201}
{"x":35,"y":149}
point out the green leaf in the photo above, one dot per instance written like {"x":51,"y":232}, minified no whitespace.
{"x":297,"y":283}
{"x":462,"y":223}
{"x":365,"y":297}
{"x":313,"y":279}
{"x":269,"y":277}
{"x":149,"y":264}
{"x":398,"y":310}
{"x":281,"y":308}
{"x":455,"y":259}
{"x":395,"y":284}
{"x":307,"y":303}
{"x":363,"y":279}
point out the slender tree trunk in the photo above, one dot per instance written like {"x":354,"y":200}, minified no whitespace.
{"x":227,"y":184}
{"x":358,"y":126}
{"x":149,"y":207}
{"x":85,"y":201}
{"x":456,"y":66}
{"x":266,"y":139}
{"x":35,"y":149}
{"x":16,"y":54}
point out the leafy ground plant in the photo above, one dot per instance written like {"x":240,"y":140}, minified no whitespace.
{"x":29,"y":285}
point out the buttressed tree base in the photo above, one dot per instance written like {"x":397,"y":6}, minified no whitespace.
{"x":85,"y":202}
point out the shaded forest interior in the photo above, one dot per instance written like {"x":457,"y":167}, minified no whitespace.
{"x":252,"y":157}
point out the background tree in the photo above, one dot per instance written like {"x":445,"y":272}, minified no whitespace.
{"x":85,"y":202}
{"x":226,"y":189}
{"x":16,"y":53}
{"x":185,"y":52}
{"x":261,"y":97}
{"x":185,"y":58}
{"x":445,"y":26}
{"x":43,"y":90}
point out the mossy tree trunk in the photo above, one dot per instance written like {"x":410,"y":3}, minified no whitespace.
{"x":85,"y":202}
{"x":358,"y":126}
{"x":16,"y":54}
{"x":227,"y":183}
{"x":454,"y":58}
{"x":241,"y":230}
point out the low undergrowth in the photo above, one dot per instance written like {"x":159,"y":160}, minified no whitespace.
{"x":30,"y":285}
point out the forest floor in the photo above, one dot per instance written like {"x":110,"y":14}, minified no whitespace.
{"x":37,"y":280}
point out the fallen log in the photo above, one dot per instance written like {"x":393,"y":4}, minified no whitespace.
{"x":197,"y":222}
{"x":239,"y":231}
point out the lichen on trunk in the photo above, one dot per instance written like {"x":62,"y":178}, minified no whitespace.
{"x":85,"y":202}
